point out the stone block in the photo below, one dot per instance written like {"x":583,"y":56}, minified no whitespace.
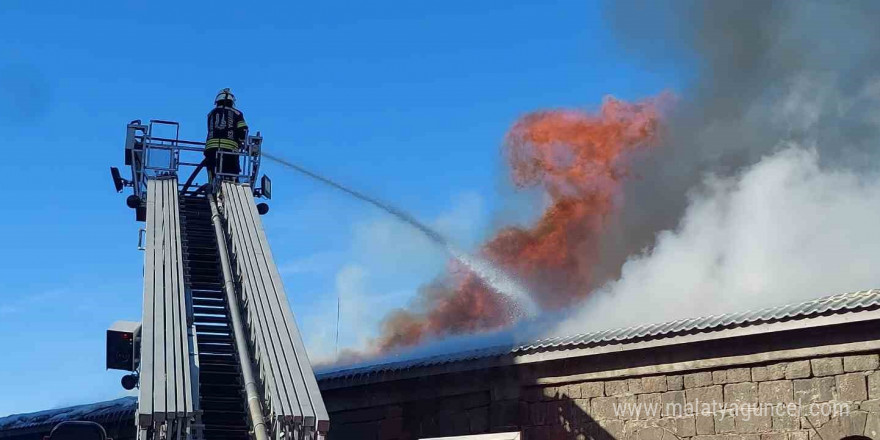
{"x":684,"y":426}
{"x":851,"y":387}
{"x":631,"y":428}
{"x":592,"y":431}
{"x":560,"y":412}
{"x":699,"y":397}
{"x":615,"y":388}
{"x":613,"y":429}
{"x":732,"y":375}
{"x":786,"y":422}
{"x":819,"y":389}
{"x":724,"y":422}
{"x":697,"y":380}
{"x":582,"y":406}
{"x":674,"y":383}
{"x":474,"y":400}
{"x":479,"y":420}
{"x":831,"y":366}
{"x":752,"y":423}
{"x":507,"y":413}
{"x":603,"y":408}
{"x":502,"y":388}
{"x":768,"y":372}
{"x":672,"y":403}
{"x":810,"y":420}
{"x":870,"y":405}
{"x":649,"y":406}
{"x":799,"y":435}
{"x":651,"y":433}
{"x":843,"y":427}
{"x":740,"y":393}
{"x":549,"y":393}
{"x":798,"y":370}
{"x":592,"y":389}
{"x":538,"y":412}
{"x":735,"y":375}
{"x":856,"y":423}
{"x":628,"y":407}
{"x":654,"y":384}
{"x":874,"y":385}
{"x":572,"y":391}
{"x":774,"y":436}
{"x":705,"y":424}
{"x":775,"y":392}
{"x":634,"y":386}
{"x":865,"y":362}
{"x":872,"y":426}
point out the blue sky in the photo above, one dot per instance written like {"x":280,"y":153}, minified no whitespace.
{"x":405,"y":100}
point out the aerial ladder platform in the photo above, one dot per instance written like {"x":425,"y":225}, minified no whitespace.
{"x":217,"y":354}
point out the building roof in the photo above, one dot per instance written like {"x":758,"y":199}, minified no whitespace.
{"x":845,"y":307}
{"x":101,"y":412}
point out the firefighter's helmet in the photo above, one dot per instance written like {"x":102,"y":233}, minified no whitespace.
{"x":225,"y":97}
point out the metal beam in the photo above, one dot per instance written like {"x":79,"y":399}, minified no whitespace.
{"x":273,"y":317}
{"x":167,"y":392}
{"x":255,"y":411}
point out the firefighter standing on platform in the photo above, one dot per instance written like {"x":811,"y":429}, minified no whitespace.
{"x":227,"y":131}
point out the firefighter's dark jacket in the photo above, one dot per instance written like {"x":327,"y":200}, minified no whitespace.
{"x":226,"y":129}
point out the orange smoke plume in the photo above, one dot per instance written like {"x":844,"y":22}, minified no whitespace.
{"x":580,"y":160}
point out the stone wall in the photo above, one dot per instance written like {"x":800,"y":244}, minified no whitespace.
{"x":521,"y":398}
{"x":811,"y":387}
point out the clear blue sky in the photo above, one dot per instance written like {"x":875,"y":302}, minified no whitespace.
{"x":406,"y":100}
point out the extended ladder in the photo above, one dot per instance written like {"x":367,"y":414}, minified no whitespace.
{"x":221,"y":356}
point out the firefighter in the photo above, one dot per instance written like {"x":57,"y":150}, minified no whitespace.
{"x":227,"y":131}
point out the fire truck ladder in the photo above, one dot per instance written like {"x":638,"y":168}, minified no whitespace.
{"x":220,"y":387}
{"x":221,"y":357}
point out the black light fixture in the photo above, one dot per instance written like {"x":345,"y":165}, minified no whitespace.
{"x":118,"y":181}
{"x":133,"y":201}
{"x":129,"y":381}
{"x":266,"y":187}
{"x":262,"y":208}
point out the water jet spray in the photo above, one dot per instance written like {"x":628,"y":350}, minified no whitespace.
{"x":497,"y":279}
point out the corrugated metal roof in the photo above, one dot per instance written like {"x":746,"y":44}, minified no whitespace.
{"x":836,"y":304}
{"x":101,"y":412}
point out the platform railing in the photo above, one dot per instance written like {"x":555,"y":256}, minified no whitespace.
{"x":150,"y":155}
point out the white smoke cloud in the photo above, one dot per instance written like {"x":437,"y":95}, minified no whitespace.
{"x":782,"y":230}
{"x":350,"y":285}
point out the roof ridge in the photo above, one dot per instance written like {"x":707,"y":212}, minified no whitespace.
{"x":838,"y":303}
